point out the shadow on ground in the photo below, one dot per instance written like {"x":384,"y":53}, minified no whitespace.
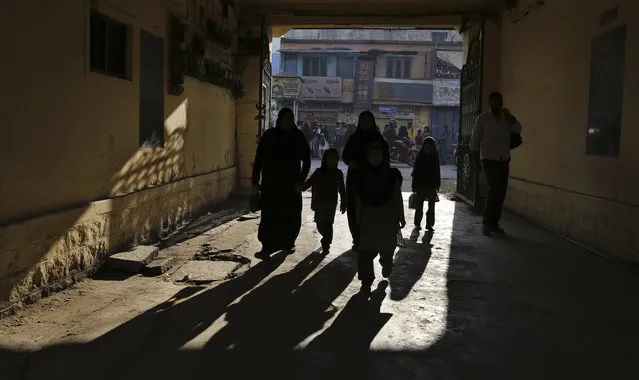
{"x":217,"y":217}
{"x":528,"y":307}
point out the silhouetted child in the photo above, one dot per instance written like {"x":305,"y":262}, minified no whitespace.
{"x":426,"y":182}
{"x":380,"y":213}
{"x":326,"y":182}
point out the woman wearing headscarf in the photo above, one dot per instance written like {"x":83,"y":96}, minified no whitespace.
{"x":426,"y":182}
{"x":281,"y":165}
{"x":380,"y":213}
{"x":354,"y":156}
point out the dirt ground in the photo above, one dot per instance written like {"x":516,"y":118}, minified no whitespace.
{"x":458,"y":305}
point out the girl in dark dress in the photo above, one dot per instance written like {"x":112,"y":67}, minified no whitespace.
{"x":279,"y":177}
{"x":380,"y":214}
{"x":426,"y":182}
{"x":326,"y":182}
{"x":355,"y":157}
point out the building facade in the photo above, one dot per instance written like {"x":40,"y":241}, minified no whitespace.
{"x":406,"y":75}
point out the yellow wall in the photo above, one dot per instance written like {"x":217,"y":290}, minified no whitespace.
{"x":422,"y":117}
{"x":545,"y":61}
{"x":70,"y":136}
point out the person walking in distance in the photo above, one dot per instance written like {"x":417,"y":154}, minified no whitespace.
{"x":355,"y":156}
{"x":444,"y":142}
{"x":426,"y":182}
{"x":419,"y":139}
{"x":491,"y":144}
{"x":279,"y":177}
{"x":326,"y":182}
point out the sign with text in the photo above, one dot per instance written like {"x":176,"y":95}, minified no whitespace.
{"x":394,"y":112}
{"x":321,"y":88}
{"x":318,"y":117}
{"x":286,"y":88}
{"x":446,"y":92}
{"x":364,"y":77}
{"x":348,"y":90}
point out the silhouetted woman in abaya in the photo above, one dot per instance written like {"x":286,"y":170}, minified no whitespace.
{"x":354,"y":156}
{"x":281,"y":165}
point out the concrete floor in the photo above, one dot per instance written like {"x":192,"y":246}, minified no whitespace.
{"x":527,"y":306}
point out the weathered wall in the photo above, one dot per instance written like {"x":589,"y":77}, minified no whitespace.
{"x":42,"y":251}
{"x":545,"y":61}
{"x":422,"y":117}
{"x":417,"y":64}
{"x":70,"y":138}
{"x":378,"y":35}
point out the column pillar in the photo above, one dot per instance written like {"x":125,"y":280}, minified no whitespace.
{"x":492,"y":61}
{"x":247,"y":126}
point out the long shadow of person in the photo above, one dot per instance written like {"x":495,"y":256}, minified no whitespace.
{"x":342,"y":350}
{"x":410,"y":264}
{"x":153,"y":335}
{"x":267,"y":327}
{"x":261,"y":309}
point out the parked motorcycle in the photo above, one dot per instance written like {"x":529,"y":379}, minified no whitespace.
{"x":403,"y":150}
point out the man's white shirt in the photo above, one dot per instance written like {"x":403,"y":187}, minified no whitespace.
{"x":491,"y":136}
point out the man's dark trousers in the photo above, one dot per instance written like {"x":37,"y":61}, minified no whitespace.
{"x":497,"y":173}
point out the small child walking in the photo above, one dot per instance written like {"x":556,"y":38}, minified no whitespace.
{"x":426,"y":182}
{"x":380,"y":213}
{"x":326,"y":182}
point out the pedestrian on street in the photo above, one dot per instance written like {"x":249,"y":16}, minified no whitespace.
{"x":308,"y":134}
{"x":317,"y":135}
{"x":444,"y":142}
{"x":340,"y":139}
{"x":325,"y":183}
{"x":419,"y":139}
{"x":380,"y":213}
{"x":355,"y":156}
{"x":412,"y":132}
{"x":426,"y":183}
{"x":389,"y":133}
{"x":279,"y":178}
{"x":491,"y":145}
{"x":403,"y":132}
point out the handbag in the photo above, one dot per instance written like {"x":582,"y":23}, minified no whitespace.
{"x":413,"y":201}
{"x":255,"y":202}
{"x":515,"y":140}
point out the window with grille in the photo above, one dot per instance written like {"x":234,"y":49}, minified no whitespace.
{"x":345,"y":67}
{"x":398,"y":68}
{"x":314,"y":67}
{"x":109,"y":46}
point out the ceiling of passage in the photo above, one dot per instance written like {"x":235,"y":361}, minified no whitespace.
{"x":364,"y":8}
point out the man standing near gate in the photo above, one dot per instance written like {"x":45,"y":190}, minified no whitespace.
{"x":491,"y":143}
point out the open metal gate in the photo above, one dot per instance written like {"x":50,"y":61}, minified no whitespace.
{"x":470,"y":108}
{"x":264,"y":107}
